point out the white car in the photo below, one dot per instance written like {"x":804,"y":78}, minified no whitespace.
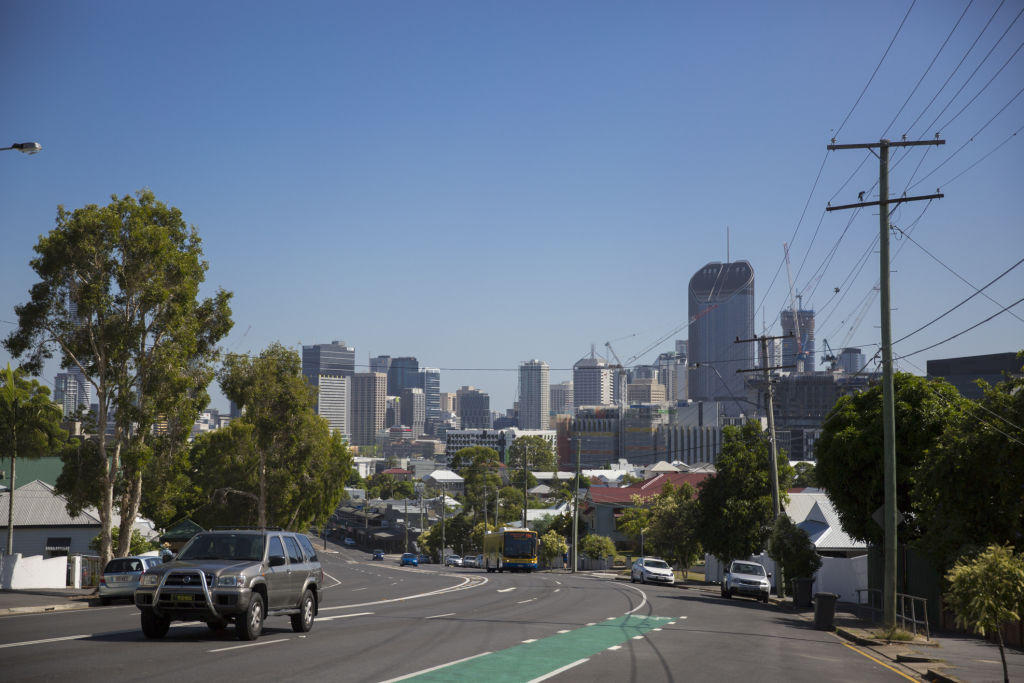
{"x":652,"y":570}
{"x":746,"y":578}
{"x":453,"y":561}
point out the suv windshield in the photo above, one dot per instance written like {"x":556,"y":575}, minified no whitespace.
{"x":755,"y":569}
{"x":224,"y":547}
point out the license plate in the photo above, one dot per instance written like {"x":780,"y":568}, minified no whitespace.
{"x":121,"y":579}
{"x":182,"y":597}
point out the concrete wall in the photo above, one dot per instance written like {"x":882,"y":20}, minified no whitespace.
{"x":20,"y":572}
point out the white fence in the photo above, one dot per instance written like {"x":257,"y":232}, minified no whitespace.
{"x":21,"y":572}
{"x":839,"y":575}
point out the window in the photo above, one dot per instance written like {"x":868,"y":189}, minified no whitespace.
{"x":308,"y":547}
{"x":57,"y":546}
{"x":294,"y":554}
{"x":275,"y":546}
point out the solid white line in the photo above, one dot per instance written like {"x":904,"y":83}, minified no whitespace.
{"x":506,"y":590}
{"x":440,"y":591}
{"x":344,"y":616}
{"x":642,"y":602}
{"x":360,"y":589}
{"x":434,"y":668}
{"x":438,"y":616}
{"x":238,"y":647}
{"x":558,"y":671}
{"x":46,"y":640}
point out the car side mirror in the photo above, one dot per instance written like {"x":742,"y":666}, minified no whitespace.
{"x":276,"y":560}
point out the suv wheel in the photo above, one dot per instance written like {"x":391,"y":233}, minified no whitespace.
{"x":303,"y":621}
{"x":250,"y":625}
{"x":154,"y":626}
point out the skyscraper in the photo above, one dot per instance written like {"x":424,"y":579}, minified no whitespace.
{"x":562,"y":398}
{"x":474,"y":408}
{"x":334,"y":399}
{"x":72,"y":391}
{"x":380,"y":364}
{"x":534,"y":395}
{"x":413,"y":410}
{"x":801,"y":355}
{"x":369,"y":401}
{"x":328,"y":359}
{"x":431,"y":380}
{"x":721,"y":310}
{"x":404,"y":373}
{"x":592,"y":381}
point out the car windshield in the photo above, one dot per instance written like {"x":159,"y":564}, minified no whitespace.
{"x":408,"y":555}
{"x":754,"y":569}
{"x":124,"y":564}
{"x":223,"y":547}
{"x":657,"y":564}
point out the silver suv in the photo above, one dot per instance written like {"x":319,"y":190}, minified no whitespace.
{"x":746,"y":578}
{"x":239,"y":575}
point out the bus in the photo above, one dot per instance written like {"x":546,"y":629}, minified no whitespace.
{"x":512,"y":549}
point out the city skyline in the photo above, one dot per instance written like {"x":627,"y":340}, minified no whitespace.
{"x":540,"y":178}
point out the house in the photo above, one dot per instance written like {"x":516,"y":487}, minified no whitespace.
{"x":603,"y":506}
{"x":399,"y":473}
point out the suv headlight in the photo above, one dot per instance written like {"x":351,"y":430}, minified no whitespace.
{"x":149,"y":579}
{"x":231,"y":580}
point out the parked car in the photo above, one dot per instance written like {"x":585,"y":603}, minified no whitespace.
{"x":469,"y":561}
{"x":453,"y":561}
{"x":424,"y":559}
{"x":120,"y":577}
{"x":350,"y":543}
{"x":479,"y":561}
{"x":652,"y":570}
{"x":409,"y":559}
{"x":239,"y":576}
{"x":378,"y":554}
{"x":746,"y":578}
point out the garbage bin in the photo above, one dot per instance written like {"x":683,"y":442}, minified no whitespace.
{"x":825,"y":611}
{"x":802,"y":593}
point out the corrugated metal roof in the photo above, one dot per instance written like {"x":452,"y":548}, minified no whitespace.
{"x":38,"y":504}
{"x":812,"y":511}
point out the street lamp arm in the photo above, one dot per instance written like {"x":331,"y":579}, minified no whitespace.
{"x":24,"y":147}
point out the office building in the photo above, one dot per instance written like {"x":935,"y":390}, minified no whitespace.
{"x":413,"y":406}
{"x":534,"y":395}
{"x":800,"y":355}
{"x":328,"y":359}
{"x":498,"y":439}
{"x":964,"y":371}
{"x":431,"y":380}
{"x":592,"y":381}
{"x":646,"y":391}
{"x":561,"y":398}
{"x":404,"y":373}
{"x":380,"y":364}
{"x":850,"y":360}
{"x":721,"y":310}
{"x":449,"y":401}
{"x":369,"y":402}
{"x":72,"y":391}
{"x":474,"y":408}
{"x":333,"y":402}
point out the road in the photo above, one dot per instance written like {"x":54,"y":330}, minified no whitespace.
{"x":381,"y":622}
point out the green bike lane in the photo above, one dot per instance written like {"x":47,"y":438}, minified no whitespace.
{"x":544,"y":657}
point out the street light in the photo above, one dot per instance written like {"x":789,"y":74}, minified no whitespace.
{"x":24,"y":147}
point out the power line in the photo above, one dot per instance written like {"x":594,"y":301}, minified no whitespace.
{"x":962,"y":332}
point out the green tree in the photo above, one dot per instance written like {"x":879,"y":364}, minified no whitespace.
{"x":805,"y":475}
{"x":479,"y":467}
{"x":118,"y":298}
{"x":136,"y":546}
{"x":735,"y":509}
{"x":849,"y":451}
{"x":538,"y":454}
{"x":988,"y":591}
{"x":552,"y":545}
{"x":476,"y":534}
{"x":969,"y":494}
{"x":792,"y":549}
{"x":673,"y":528}
{"x":635,"y":521}
{"x":597,"y":547}
{"x":29,"y":427}
{"x":279,"y":462}
{"x":458,"y":530}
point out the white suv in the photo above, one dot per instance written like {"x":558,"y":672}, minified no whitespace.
{"x":746,"y":578}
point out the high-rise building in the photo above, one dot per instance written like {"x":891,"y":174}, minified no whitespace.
{"x":431,"y":381}
{"x":963,"y":372}
{"x":72,"y":391}
{"x":474,"y":408}
{"x":672,"y":373}
{"x":850,"y":360}
{"x":369,"y":402}
{"x":328,"y":359}
{"x":592,"y":381}
{"x":646,"y":391}
{"x":404,"y":373}
{"x":380,"y":364}
{"x":799,"y":354}
{"x":413,"y":407}
{"x":449,"y":402}
{"x":562,"y":398}
{"x":534,"y":395}
{"x":333,"y":402}
{"x":721,"y":310}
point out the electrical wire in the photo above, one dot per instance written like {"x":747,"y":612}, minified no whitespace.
{"x":962,"y":332}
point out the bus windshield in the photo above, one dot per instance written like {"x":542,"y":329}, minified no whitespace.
{"x":519,"y":547}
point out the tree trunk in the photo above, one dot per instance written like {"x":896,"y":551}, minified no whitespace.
{"x":261,"y":503}
{"x":1002,"y":655}
{"x":130,"y":502}
{"x":107,"y":500}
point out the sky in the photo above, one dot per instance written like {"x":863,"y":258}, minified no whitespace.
{"x":482,"y":183}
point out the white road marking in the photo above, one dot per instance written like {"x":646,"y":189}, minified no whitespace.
{"x":466,"y":583}
{"x":655,"y":629}
{"x":682,"y":617}
{"x":558,"y":671}
{"x":557,"y":589}
{"x":642,"y":602}
{"x":593,"y":623}
{"x":565,"y":630}
{"x":559,"y":583}
{"x":359,"y":589}
{"x":336,"y":581}
{"x":438,"y":616}
{"x":46,"y":640}
{"x":434,"y":668}
{"x":239,"y":647}
{"x":638,"y":638}
{"x":615,"y":647}
{"x":344,"y":616}
{"x":506,"y":590}
{"x":530,"y":640}
{"x":521,"y":602}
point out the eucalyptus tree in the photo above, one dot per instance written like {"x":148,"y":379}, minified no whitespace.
{"x":118,"y":299}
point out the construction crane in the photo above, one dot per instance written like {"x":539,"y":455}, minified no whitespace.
{"x":829,"y":356}
{"x":800,"y":355}
{"x":620,"y":374}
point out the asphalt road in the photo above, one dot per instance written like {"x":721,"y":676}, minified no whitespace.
{"x":380,"y":622}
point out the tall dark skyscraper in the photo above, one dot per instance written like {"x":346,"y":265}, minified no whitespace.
{"x":721,"y":309}
{"x":328,"y":359}
{"x":404,"y":373}
{"x":474,"y":408}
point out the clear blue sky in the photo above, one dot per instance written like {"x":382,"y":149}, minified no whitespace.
{"x":481,"y":183}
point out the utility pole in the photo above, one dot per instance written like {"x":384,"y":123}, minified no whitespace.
{"x":576,"y":512}
{"x":526,"y":457}
{"x":405,"y":522}
{"x":443,"y":547}
{"x":890,"y":544}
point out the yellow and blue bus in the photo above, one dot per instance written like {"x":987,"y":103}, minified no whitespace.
{"x":511,"y":549}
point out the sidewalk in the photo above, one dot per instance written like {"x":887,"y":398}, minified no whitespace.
{"x":37,"y":600}
{"x":948,"y":658}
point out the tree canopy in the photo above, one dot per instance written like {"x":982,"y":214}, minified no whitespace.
{"x":536,"y":450}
